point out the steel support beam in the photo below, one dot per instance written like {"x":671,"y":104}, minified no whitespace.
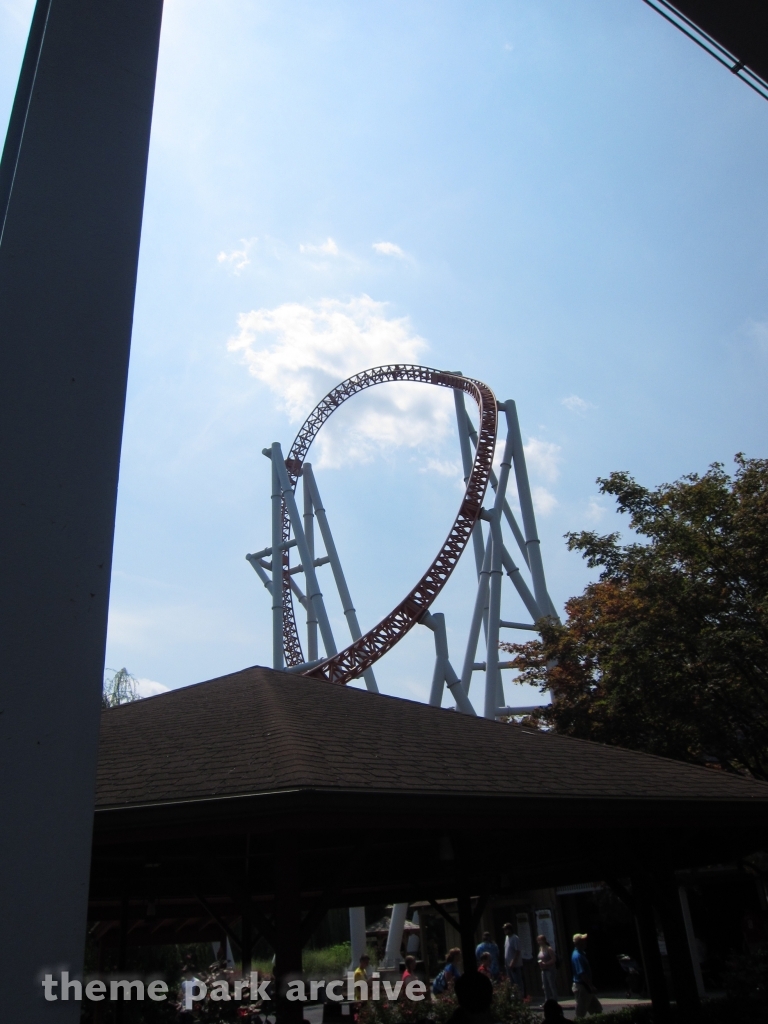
{"x":463,"y":424}
{"x":309,"y":533}
{"x":314,"y":594}
{"x":73,"y":175}
{"x":532,"y":542}
{"x":338,"y":573}
{"x":278,"y":654}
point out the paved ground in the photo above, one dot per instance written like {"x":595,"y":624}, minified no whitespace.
{"x":314,"y":1014}
{"x":610,"y":1004}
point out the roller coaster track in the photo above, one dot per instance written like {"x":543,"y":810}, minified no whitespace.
{"x":361,"y":654}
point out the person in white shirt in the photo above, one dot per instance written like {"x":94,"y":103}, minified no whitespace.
{"x":548,"y":967}
{"x":513,"y":958}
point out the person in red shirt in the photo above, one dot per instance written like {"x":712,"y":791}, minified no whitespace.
{"x":484,"y":967}
{"x":410,"y":968}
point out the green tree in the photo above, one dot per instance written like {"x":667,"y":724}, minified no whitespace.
{"x":119,"y":688}
{"x":666,"y":652}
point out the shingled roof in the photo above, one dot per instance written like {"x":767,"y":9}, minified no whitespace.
{"x":264,"y":732}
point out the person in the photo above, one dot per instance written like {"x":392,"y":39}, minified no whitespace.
{"x":485,"y":964}
{"x":474,"y":994}
{"x":361,"y":971}
{"x":190,"y":984}
{"x":583,"y":986}
{"x":553,"y":1012}
{"x":489,"y":946}
{"x":513,"y":958}
{"x":548,"y":967}
{"x":451,"y":969}
{"x":410,"y":968}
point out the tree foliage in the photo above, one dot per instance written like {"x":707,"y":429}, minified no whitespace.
{"x":666,"y":652}
{"x":119,"y":688}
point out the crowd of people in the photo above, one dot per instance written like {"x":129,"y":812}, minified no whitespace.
{"x":473,"y":989}
{"x":496,"y":967}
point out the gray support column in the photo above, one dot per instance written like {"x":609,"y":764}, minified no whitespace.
{"x":494,"y":614}
{"x":68,"y":258}
{"x":508,"y":513}
{"x":477,"y":616}
{"x":278,"y":661}
{"x":309,"y":533}
{"x":492,"y":675}
{"x":338,"y":573}
{"x":394,"y":936}
{"x":444,"y":672}
{"x":462,"y":425}
{"x":532,"y":542}
{"x":314,"y":594}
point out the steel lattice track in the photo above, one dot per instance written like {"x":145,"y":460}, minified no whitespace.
{"x":361,"y":654}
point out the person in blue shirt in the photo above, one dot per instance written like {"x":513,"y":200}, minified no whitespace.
{"x":451,"y":969}
{"x":489,"y":946}
{"x":583,"y":986}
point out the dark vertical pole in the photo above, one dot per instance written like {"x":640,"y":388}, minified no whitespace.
{"x":74,"y":175}
{"x":20,"y":106}
{"x":649,"y":947}
{"x":467,"y":931}
{"x":678,"y":950}
{"x":246,"y":938}
{"x":122,"y":957}
{"x":287,"y":926}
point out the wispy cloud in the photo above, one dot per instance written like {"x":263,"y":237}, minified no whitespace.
{"x":302,"y":351}
{"x":238,"y":259}
{"x":328,"y":248}
{"x":543,"y":500}
{"x":389,"y":249}
{"x":595,"y":510}
{"x":444,"y":467}
{"x":543,"y":458}
{"x":575,"y":404}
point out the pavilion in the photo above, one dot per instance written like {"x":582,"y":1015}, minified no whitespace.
{"x":253,"y":803}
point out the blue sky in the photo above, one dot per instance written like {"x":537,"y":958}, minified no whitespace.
{"x":569,"y":202}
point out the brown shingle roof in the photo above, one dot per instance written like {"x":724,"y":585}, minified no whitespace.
{"x":260,"y":731}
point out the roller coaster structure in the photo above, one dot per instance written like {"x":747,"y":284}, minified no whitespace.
{"x":290,"y":529}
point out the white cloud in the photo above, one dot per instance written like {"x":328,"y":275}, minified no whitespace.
{"x":543,"y":500}
{"x":149,"y":688}
{"x":445,"y":467}
{"x":576,"y":404}
{"x":509,"y":46}
{"x":389,"y":249}
{"x":302,"y":351}
{"x":543,"y":458}
{"x":328,"y":248}
{"x":595,"y":511}
{"x":238,"y":258}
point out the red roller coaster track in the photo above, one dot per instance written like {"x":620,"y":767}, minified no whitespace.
{"x":353,"y":661}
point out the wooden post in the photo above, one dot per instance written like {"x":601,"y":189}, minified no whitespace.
{"x":467,"y":931}
{"x":246,"y":937}
{"x":678,"y":950}
{"x":287,"y":927}
{"x":122,"y":957}
{"x":649,"y":947}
